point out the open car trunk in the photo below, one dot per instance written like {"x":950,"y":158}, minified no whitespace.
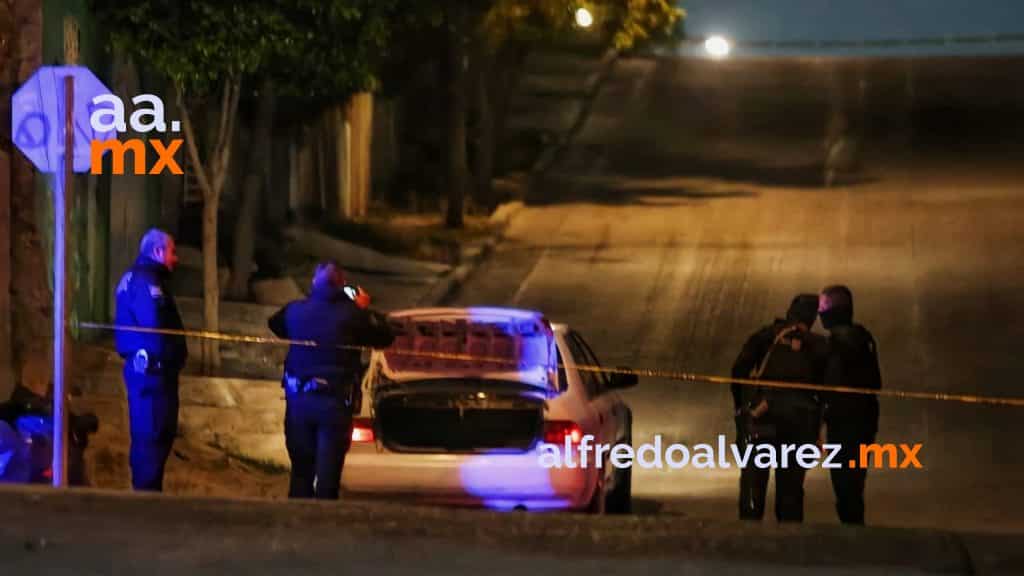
{"x":459,"y":415}
{"x":464,"y":381}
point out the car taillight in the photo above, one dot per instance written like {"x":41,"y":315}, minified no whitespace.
{"x":362,"y":430}
{"x":556,"y":431}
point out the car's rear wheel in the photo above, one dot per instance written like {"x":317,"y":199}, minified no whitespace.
{"x":620,"y":499}
{"x":599,"y":501}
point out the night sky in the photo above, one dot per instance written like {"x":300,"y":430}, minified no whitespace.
{"x":857,"y":20}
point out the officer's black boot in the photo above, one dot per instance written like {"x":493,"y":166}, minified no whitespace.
{"x":848,"y":485}
{"x":848,"y":482}
{"x":789,"y":493}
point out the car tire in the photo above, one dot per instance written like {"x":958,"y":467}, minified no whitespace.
{"x":620,"y":499}
{"x":598,"y":505}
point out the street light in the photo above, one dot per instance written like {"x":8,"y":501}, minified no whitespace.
{"x":584,"y":19}
{"x":717,"y":46}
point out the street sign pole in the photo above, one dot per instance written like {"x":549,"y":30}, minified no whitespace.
{"x":36,"y":115}
{"x":63,"y":179}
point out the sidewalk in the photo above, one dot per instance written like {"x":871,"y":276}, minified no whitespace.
{"x":394,"y":282}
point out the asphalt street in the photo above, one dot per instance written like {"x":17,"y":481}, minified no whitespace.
{"x":85,"y":532}
{"x":682,"y":218}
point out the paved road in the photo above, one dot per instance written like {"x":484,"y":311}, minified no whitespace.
{"x":678,"y":223}
{"x":55,"y":532}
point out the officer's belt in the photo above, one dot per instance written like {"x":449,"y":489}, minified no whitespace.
{"x":313,"y":385}
{"x":152,"y":366}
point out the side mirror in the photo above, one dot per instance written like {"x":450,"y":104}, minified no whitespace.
{"x":620,"y":380}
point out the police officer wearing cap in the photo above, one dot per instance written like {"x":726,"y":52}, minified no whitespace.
{"x":152,"y":360}
{"x":322,"y":381}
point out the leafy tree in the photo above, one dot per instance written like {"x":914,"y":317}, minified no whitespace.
{"x":490,"y":27}
{"x":206,"y":48}
{"x":326,"y":50}
{"x":330,"y":49}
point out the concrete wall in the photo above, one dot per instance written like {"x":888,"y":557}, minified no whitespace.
{"x":331,"y":163}
{"x":360,"y":119}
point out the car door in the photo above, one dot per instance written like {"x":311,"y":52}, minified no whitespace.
{"x":603,"y":401}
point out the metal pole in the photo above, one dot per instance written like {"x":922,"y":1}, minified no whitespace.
{"x":63,"y":181}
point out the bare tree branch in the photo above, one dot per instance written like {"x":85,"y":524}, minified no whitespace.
{"x":193,"y":149}
{"x":223,"y":154}
{"x":223,"y":120}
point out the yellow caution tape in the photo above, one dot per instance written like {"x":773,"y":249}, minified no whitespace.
{"x":645,"y":372}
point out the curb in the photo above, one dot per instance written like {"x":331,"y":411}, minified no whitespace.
{"x":475,"y":254}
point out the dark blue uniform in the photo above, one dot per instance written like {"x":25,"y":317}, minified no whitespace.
{"x":144,"y":300}
{"x":320,"y":383}
{"x":851,"y":419}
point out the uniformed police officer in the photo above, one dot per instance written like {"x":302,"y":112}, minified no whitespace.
{"x":321,"y":381}
{"x":850,"y":419}
{"x":785,"y":350}
{"x":152,"y":360}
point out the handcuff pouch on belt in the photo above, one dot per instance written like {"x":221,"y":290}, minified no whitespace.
{"x":318,"y":385}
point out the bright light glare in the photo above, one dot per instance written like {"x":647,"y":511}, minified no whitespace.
{"x":584,"y":19}
{"x":717,"y":46}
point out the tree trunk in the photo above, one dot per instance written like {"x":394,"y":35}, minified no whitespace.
{"x":455,"y":76}
{"x":359,"y":116}
{"x":211,"y":282}
{"x":172,"y":186}
{"x":278,"y":199}
{"x":341,"y":195}
{"x":508,"y":65}
{"x":211,"y":179}
{"x":306,"y":198}
{"x":484,"y":169}
{"x":31,"y":302}
{"x":256,"y":176}
{"x":324,"y":193}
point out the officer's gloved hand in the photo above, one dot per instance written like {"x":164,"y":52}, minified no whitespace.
{"x":140,"y":362}
{"x":362,"y":298}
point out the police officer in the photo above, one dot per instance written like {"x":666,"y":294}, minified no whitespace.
{"x":851,"y":419}
{"x":152,"y":360}
{"x":322,"y":381}
{"x":788,"y":351}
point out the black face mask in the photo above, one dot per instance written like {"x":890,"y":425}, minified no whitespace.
{"x":835,"y":317}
